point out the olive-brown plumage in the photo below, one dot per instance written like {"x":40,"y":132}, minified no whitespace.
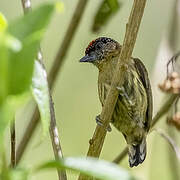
{"x":133,"y":111}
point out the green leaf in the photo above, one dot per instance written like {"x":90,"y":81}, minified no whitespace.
{"x":19,"y":44}
{"x":107,"y":9}
{"x":32,"y":22}
{"x":7,"y":43}
{"x":13,"y":174}
{"x":3,"y":67}
{"x":90,"y":166}
{"x":60,"y":7}
{"x":19,"y":174}
{"x":28,"y":29}
{"x":41,"y":94}
{"x":3,"y":22}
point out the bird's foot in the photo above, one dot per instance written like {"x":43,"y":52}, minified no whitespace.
{"x":99,"y":122}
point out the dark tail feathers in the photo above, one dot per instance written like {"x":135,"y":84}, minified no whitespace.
{"x":137,"y":153}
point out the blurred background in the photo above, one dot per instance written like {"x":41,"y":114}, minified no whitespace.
{"x":75,"y":93}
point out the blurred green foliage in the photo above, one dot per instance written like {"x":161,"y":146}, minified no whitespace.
{"x":40,"y":93}
{"x":19,"y":44}
{"x":106,"y":10}
{"x":90,"y":166}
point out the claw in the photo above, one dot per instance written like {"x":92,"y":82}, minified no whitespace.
{"x":109,"y":129}
{"x":99,"y":122}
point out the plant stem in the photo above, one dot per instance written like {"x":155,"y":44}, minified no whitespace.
{"x":53,"y":130}
{"x":164,"y":109}
{"x":13,"y":144}
{"x":132,"y":28}
{"x":121,"y":156}
{"x":64,"y":47}
{"x":58,"y":62}
{"x":27,"y":135}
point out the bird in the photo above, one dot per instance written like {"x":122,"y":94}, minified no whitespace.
{"x":132,"y":114}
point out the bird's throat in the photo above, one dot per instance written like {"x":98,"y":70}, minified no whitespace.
{"x":106,"y":70}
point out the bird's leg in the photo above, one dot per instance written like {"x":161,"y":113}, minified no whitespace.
{"x":123,"y":93}
{"x":99,"y":122}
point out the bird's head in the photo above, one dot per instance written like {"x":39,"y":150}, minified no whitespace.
{"x":101,"y":51}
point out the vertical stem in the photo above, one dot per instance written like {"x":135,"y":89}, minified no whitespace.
{"x":13,"y":144}
{"x":63,"y":49}
{"x":53,"y":130}
{"x":132,"y":27}
{"x":28,"y":134}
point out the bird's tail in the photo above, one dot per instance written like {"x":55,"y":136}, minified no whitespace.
{"x":137,"y":153}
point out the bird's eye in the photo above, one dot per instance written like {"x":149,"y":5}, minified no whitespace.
{"x":98,"y":46}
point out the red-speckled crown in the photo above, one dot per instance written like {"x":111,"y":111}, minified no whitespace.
{"x":92,"y":44}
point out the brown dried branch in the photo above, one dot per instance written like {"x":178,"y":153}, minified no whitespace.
{"x":132,"y":28}
{"x":121,"y":156}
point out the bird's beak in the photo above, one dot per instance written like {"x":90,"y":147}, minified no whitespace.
{"x":88,"y":58}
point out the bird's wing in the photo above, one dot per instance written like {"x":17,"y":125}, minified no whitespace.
{"x":143,"y":75}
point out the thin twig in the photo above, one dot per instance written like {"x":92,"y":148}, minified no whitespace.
{"x":163,"y":110}
{"x":55,"y":138}
{"x":170,"y":141}
{"x":53,"y":130}
{"x":63,"y":49}
{"x":132,"y":28}
{"x":13,"y":144}
{"x":58,"y":62}
{"x":121,"y":156}
{"x":26,"y":4}
{"x":27,"y":135}
{"x":53,"y":127}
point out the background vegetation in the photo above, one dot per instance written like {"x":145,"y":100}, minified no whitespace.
{"x":75,"y":93}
